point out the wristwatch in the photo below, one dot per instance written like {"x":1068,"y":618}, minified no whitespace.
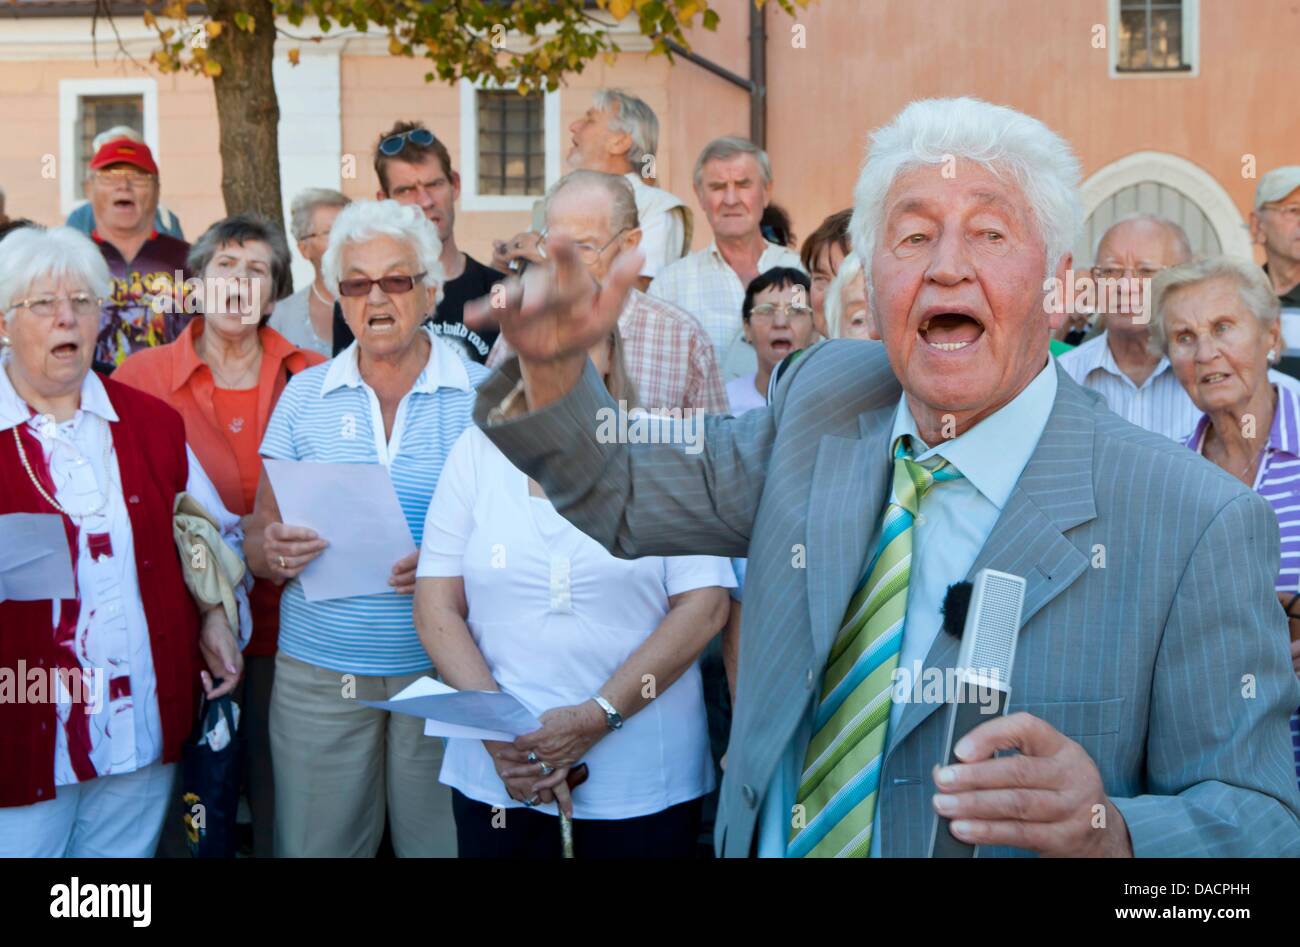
{"x":613,"y":719}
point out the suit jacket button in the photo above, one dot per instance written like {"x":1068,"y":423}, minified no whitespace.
{"x":808,"y":679}
{"x":747,"y":793}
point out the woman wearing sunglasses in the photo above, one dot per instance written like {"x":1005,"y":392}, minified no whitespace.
{"x":400,"y":397}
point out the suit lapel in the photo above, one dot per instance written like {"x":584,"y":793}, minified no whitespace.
{"x":1054,"y":495}
{"x":849,"y":489}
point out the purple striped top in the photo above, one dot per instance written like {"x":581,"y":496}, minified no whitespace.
{"x":1278,"y":482}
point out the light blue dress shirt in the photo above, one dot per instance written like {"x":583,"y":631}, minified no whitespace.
{"x":955,"y":521}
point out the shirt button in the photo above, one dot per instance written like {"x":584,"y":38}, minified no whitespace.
{"x":747,"y":793}
{"x":40,"y":792}
{"x":920,"y":519}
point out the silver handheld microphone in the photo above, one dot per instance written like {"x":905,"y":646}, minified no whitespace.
{"x":983,"y":676}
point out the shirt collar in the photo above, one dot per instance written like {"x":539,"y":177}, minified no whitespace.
{"x":186,"y":360}
{"x":993,"y":453}
{"x":1104,"y":358}
{"x":714,"y":253}
{"x":15,"y":411}
{"x":1283,"y":436}
{"x":444,"y":369}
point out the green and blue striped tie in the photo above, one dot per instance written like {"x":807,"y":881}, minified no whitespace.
{"x":841,"y":773}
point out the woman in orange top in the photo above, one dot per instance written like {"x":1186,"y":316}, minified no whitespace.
{"x":224,"y":374}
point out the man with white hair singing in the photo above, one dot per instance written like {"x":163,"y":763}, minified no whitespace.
{"x":619,"y":134}
{"x":881,"y":474}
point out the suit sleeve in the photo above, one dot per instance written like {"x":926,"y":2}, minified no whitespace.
{"x":692,"y":490}
{"x":1220,"y":776}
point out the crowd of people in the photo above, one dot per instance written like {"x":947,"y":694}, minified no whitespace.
{"x":604,"y":590}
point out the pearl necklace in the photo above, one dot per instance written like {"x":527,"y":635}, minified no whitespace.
{"x":103,"y":502}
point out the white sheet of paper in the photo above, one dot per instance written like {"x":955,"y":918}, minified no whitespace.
{"x":34,"y":561}
{"x":355,"y":508}
{"x":476,"y":715}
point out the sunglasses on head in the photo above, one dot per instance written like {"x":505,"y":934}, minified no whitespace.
{"x":394,"y":144}
{"x":390,"y":285}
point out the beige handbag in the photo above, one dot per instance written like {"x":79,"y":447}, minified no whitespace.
{"x":212,"y":569}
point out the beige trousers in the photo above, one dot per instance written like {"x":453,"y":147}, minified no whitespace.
{"x":340,"y":765}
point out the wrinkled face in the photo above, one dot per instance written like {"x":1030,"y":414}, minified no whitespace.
{"x":733,"y":195}
{"x":237,"y":288}
{"x":1276,"y":226}
{"x":855,"y":322}
{"x":52,"y":352}
{"x":123,"y":198}
{"x":313,"y":248}
{"x":591,"y":138}
{"x":825,"y":264}
{"x":428,"y":186}
{"x":957,"y":290}
{"x":1217,"y":348}
{"x":1128,"y":258}
{"x":581,"y":215}
{"x":781,"y":322}
{"x":385,"y":324}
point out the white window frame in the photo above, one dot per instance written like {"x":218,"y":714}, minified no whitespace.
{"x":1191,"y":45}
{"x":470,"y":198}
{"x":71,"y":91}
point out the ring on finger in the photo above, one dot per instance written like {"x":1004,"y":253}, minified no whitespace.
{"x":532,"y":802}
{"x":546,"y":770}
{"x":282,"y":565}
{"x":532,"y":756}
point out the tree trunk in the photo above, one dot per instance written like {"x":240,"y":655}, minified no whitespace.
{"x":248,"y":112}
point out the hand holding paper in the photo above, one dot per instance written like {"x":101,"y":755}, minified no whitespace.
{"x":476,"y":715}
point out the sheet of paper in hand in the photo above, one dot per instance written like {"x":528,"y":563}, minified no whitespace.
{"x":35,"y":564}
{"x":355,"y":508}
{"x":447,"y":712}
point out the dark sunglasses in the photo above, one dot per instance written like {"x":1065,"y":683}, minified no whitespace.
{"x":390,"y":285}
{"x":394,"y":144}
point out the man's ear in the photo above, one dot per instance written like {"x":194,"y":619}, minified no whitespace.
{"x":1256,"y":228}
{"x":380,"y":195}
{"x":1064,"y":275}
{"x":618,"y":144}
{"x":631,"y":240}
{"x":454,"y":177}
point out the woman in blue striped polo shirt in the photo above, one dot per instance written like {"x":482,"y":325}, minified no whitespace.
{"x":399,"y":397}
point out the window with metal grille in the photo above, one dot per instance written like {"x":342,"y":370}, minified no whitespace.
{"x":99,"y":113}
{"x":1153,"y":36}
{"x":511,"y":143}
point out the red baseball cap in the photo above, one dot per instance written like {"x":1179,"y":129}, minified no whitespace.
{"x":124,"y":151}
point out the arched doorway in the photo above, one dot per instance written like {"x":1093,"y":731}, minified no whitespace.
{"x":1152,"y":182}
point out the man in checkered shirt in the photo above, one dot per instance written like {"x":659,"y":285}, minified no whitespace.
{"x":669,"y":357}
{"x":733,"y":182}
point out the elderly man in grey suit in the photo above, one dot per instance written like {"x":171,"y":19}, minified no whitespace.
{"x":1152,"y":685}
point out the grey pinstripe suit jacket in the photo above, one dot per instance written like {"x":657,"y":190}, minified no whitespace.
{"x":1168,"y":663}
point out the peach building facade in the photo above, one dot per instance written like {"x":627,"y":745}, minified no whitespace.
{"x":1190,"y":143}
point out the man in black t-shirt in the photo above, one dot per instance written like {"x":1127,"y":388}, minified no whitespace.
{"x":414,"y":167}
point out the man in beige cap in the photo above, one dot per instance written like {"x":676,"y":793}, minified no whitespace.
{"x":1275,"y":225}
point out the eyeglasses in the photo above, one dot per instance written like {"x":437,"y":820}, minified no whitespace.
{"x":128,"y":176}
{"x":1119,"y":272}
{"x":389,"y":285}
{"x":587,"y":253}
{"x":767,"y":312}
{"x":393,"y":144}
{"x":1289,"y":211}
{"x":83,"y":305}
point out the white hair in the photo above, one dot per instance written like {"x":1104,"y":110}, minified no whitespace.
{"x":728,"y":146}
{"x":63,"y":254}
{"x":1177,"y":232}
{"x":1253,"y":288}
{"x":939,"y":131}
{"x":364,"y":220}
{"x":304,"y":207}
{"x":622,"y":199}
{"x":634,"y":117}
{"x":850,"y":267}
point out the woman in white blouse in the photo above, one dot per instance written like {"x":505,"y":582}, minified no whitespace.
{"x":511,"y":596}
{"x":117,"y":653}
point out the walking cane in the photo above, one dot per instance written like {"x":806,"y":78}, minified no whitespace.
{"x":577,"y":776}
